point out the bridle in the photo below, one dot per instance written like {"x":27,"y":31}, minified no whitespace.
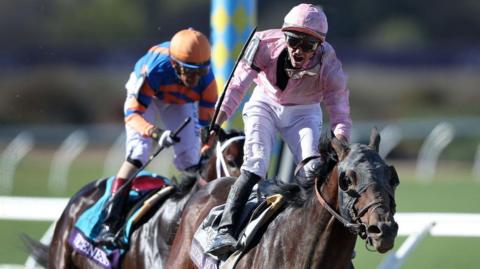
{"x":220,"y":162}
{"x":353,"y":223}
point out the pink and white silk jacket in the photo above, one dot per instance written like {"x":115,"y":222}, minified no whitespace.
{"x":326,"y":82}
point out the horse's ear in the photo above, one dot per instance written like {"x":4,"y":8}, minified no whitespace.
{"x":374,"y":140}
{"x":394,"y":180}
{"x":340,"y":148}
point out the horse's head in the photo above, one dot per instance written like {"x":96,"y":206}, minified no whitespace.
{"x":366,"y":191}
{"x":226,"y":158}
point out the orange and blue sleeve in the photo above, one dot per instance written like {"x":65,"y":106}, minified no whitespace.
{"x":206,"y":106}
{"x":135,"y":107}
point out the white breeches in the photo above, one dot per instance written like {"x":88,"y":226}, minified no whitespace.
{"x":299,"y":126}
{"x":187,"y":152}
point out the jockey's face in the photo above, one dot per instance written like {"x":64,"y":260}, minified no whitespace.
{"x":190,"y":77}
{"x":301,"y":48}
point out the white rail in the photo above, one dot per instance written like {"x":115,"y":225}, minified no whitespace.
{"x":446,"y":224}
{"x":414,"y":225}
{"x":31,"y":208}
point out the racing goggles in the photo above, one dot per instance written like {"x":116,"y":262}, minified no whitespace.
{"x":305,"y":42}
{"x":190,"y":69}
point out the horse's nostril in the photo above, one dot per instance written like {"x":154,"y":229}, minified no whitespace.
{"x":373,"y":229}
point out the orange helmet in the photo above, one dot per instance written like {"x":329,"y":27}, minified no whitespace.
{"x":190,"y":46}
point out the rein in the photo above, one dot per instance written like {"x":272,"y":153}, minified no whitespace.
{"x":220,"y":162}
{"x":356,"y":228}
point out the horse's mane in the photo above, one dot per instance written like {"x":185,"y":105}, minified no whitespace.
{"x":233,"y":133}
{"x":297,"y":194}
{"x":187,"y":180}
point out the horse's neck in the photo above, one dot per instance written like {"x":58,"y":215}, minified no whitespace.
{"x":329,"y":190}
{"x":330,"y":240}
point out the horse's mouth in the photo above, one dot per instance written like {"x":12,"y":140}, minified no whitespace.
{"x":385,"y":239}
{"x":381,"y":245}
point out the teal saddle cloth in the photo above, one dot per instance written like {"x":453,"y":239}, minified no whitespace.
{"x":88,"y":224}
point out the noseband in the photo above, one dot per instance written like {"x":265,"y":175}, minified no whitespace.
{"x":221,"y":163}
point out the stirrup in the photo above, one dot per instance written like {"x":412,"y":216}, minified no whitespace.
{"x":106,"y":237}
{"x":109,"y":241}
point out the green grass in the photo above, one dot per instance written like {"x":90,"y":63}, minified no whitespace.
{"x":32,"y":174}
{"x":12,"y":250}
{"x":453,"y":190}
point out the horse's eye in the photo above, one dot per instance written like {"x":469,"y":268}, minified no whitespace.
{"x":344,"y":181}
{"x":347,"y":182}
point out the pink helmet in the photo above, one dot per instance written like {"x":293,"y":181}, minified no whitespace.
{"x":308,"y":19}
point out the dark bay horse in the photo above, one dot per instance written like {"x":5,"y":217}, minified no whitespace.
{"x":150,"y":243}
{"x":352,"y":194}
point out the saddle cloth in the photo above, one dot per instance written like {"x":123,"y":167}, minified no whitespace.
{"x":88,"y":224}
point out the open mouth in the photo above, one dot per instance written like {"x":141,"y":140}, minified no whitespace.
{"x":297,"y":60}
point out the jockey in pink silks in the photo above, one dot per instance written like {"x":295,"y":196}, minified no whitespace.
{"x":295,"y":70}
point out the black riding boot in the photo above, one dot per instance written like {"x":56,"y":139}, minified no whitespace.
{"x":113,"y":219}
{"x":224,"y":242}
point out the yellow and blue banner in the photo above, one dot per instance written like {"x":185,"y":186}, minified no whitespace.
{"x":231,"y":22}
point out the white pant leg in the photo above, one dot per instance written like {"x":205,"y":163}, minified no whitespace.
{"x":139,"y":147}
{"x":301,"y":129}
{"x":259,"y":124}
{"x":187,"y":152}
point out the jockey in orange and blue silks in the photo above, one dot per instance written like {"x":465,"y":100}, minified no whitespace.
{"x":163,"y":94}
{"x":171,"y":82}
{"x":295,"y":70}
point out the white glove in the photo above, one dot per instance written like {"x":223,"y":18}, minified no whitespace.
{"x":166,"y":140}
